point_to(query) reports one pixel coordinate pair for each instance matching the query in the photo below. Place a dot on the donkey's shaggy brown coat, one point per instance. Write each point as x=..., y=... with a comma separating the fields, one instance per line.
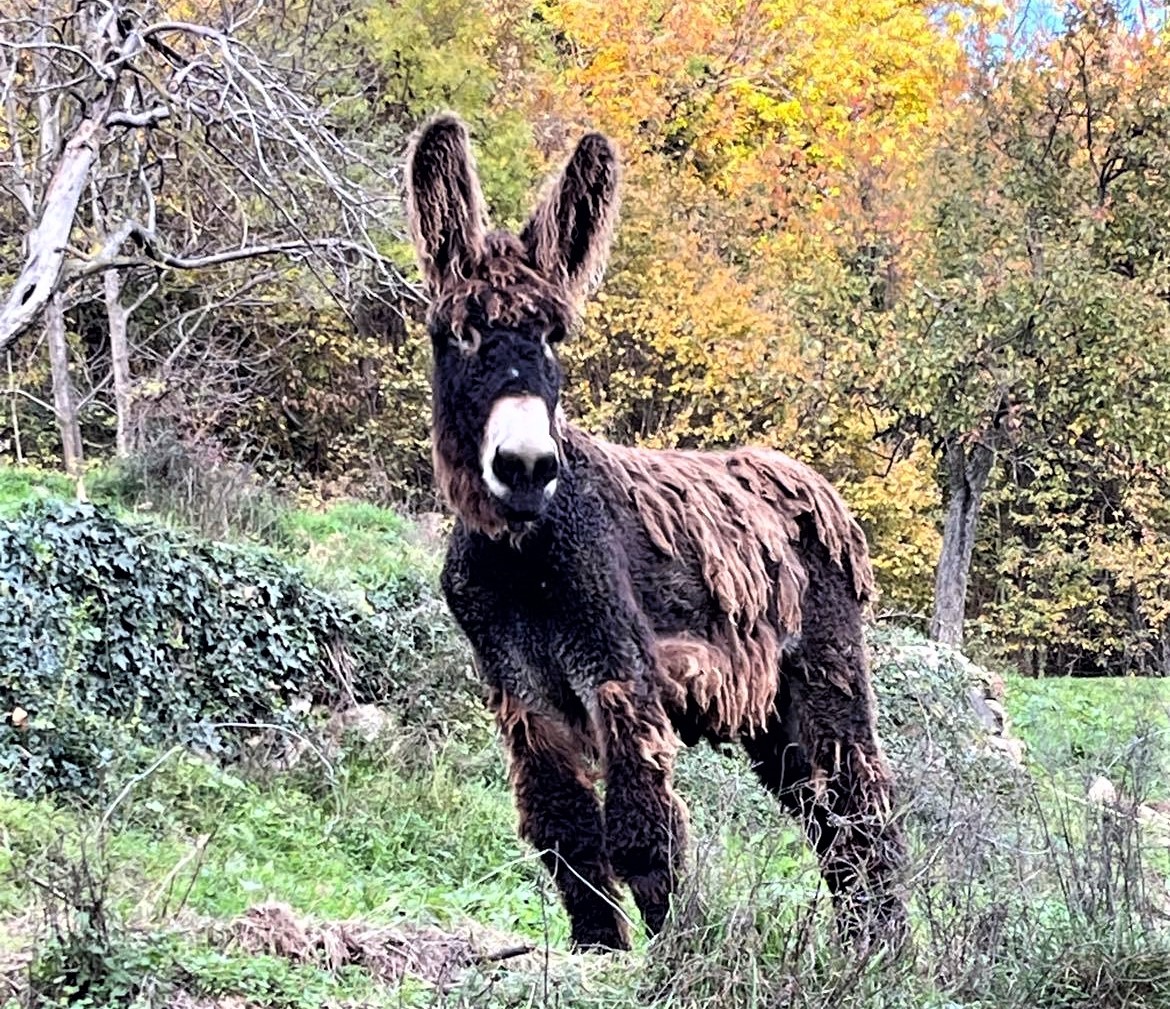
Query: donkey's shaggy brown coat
x=738, y=512
x=650, y=598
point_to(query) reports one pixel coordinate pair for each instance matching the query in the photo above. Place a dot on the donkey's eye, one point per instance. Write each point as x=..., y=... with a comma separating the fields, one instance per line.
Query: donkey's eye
x=513, y=373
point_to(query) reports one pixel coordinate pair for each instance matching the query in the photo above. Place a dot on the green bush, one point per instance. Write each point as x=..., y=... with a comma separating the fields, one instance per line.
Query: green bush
x=195, y=481
x=117, y=637
x=940, y=748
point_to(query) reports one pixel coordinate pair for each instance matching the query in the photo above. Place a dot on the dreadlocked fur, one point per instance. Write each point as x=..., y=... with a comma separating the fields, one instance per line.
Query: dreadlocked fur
x=735, y=516
x=622, y=602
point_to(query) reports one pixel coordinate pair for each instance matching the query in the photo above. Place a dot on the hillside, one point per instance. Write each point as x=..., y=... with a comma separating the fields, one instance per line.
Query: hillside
x=319, y=814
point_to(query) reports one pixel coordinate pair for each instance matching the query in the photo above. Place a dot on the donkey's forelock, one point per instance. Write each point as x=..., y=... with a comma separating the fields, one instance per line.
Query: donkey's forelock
x=503, y=292
x=564, y=245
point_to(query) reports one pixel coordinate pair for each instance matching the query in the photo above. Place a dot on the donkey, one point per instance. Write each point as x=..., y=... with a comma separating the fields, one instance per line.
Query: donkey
x=622, y=602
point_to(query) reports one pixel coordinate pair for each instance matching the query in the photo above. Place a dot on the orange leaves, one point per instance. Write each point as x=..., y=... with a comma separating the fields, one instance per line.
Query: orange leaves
x=770, y=147
x=687, y=354
x=734, y=88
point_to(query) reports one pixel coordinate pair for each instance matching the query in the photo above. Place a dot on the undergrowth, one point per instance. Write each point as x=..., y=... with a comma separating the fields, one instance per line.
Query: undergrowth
x=1022, y=897
x=130, y=893
x=119, y=636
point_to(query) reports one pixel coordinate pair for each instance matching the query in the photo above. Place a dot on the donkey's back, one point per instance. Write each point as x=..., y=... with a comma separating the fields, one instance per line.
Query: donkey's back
x=722, y=548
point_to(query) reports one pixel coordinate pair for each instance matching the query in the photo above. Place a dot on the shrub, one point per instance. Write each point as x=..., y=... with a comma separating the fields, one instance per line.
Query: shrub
x=195, y=481
x=118, y=637
x=940, y=747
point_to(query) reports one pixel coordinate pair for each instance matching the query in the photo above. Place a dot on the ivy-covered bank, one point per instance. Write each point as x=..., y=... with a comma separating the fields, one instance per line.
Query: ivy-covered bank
x=120, y=637
x=117, y=637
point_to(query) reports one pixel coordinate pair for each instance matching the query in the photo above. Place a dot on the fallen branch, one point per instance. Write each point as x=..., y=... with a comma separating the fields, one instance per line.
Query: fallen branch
x=507, y=953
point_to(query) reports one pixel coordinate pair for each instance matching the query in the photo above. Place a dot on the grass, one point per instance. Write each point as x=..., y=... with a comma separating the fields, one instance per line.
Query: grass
x=424, y=836
x=353, y=545
x=1079, y=726
x=379, y=844
x=21, y=484
x=1026, y=896
x=414, y=832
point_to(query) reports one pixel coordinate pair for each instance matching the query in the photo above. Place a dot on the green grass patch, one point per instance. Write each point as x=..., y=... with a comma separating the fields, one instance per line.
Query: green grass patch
x=429, y=839
x=354, y=546
x=19, y=484
x=1079, y=727
x=398, y=834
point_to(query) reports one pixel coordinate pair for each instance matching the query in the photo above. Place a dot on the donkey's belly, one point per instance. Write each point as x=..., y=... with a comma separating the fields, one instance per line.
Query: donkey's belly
x=718, y=677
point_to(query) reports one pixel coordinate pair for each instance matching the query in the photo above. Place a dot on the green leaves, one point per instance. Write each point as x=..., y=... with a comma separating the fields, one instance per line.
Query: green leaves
x=118, y=637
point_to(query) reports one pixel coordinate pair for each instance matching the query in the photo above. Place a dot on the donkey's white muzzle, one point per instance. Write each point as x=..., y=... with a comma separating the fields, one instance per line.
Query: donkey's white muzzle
x=519, y=456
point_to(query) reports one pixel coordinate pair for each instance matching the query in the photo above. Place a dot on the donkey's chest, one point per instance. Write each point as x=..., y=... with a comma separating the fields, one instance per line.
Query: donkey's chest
x=538, y=649
x=534, y=635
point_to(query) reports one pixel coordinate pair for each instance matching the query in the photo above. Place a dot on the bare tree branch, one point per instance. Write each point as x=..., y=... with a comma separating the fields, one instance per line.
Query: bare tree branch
x=202, y=114
x=139, y=120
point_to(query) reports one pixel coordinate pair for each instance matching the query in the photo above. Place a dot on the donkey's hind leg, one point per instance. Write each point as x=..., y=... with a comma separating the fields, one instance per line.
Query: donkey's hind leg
x=821, y=756
x=844, y=819
x=560, y=815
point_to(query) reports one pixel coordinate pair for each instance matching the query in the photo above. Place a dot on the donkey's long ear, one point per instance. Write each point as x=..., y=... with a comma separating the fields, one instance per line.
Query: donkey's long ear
x=569, y=234
x=444, y=203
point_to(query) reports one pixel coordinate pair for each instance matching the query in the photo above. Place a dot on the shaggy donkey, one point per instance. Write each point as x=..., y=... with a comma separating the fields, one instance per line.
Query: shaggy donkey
x=621, y=600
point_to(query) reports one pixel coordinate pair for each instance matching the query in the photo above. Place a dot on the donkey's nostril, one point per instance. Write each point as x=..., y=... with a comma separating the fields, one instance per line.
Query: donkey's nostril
x=544, y=470
x=509, y=469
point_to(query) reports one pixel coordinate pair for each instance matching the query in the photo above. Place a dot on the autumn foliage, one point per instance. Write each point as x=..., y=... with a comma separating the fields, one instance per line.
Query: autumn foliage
x=902, y=241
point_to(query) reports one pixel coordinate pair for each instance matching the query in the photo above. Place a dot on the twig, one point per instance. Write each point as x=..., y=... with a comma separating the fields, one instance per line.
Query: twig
x=141, y=776
x=507, y=953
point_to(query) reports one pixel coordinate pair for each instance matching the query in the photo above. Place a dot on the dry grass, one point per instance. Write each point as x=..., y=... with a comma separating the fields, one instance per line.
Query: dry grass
x=386, y=952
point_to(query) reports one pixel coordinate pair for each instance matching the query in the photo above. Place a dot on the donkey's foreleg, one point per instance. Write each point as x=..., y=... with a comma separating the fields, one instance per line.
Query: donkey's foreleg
x=645, y=823
x=560, y=815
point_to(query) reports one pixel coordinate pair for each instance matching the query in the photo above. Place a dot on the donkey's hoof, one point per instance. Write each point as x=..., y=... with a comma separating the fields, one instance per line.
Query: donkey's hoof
x=599, y=939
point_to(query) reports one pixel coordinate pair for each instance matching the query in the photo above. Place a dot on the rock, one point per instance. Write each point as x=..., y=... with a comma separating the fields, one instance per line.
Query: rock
x=368, y=721
x=1101, y=792
x=936, y=704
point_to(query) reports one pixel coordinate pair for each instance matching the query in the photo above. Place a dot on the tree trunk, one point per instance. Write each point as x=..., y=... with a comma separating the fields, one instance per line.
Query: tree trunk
x=64, y=397
x=15, y=413
x=46, y=244
x=967, y=475
x=118, y=317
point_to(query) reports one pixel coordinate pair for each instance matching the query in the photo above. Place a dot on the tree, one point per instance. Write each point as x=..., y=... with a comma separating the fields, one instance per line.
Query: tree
x=773, y=154
x=1040, y=285
x=142, y=146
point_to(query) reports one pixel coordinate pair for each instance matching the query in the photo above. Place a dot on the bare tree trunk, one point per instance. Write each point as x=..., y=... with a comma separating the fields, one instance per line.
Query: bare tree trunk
x=967, y=476
x=64, y=396
x=15, y=413
x=118, y=318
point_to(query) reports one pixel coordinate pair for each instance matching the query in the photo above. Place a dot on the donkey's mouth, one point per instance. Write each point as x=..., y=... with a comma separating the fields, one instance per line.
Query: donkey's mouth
x=521, y=515
x=525, y=505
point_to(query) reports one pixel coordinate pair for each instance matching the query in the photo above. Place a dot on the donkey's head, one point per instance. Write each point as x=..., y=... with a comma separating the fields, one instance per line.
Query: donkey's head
x=499, y=305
